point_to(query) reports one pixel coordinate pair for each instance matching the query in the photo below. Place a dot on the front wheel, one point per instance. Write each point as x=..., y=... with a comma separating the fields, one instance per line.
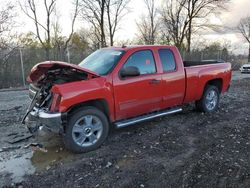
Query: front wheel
x=210, y=99
x=87, y=129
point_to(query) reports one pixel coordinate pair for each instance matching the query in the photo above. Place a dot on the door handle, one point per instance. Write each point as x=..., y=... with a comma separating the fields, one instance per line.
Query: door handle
x=154, y=81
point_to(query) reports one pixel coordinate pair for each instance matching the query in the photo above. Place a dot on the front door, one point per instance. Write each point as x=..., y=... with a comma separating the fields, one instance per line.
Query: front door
x=140, y=94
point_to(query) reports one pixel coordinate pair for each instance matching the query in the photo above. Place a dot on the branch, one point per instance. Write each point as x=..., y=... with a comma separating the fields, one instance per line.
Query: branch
x=76, y=11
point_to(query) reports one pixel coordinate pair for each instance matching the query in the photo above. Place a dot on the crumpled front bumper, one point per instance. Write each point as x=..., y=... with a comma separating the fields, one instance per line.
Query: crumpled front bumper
x=49, y=120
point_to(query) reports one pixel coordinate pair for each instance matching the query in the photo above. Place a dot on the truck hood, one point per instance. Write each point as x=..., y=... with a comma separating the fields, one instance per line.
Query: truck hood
x=42, y=68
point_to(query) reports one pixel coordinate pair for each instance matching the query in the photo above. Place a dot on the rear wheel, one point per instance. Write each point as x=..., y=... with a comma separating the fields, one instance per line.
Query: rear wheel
x=210, y=99
x=87, y=129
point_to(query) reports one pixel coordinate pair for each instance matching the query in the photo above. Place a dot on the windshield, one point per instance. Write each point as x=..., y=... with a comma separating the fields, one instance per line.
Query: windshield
x=102, y=61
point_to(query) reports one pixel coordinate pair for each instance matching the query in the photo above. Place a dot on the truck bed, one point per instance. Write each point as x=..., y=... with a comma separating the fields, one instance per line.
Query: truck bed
x=198, y=75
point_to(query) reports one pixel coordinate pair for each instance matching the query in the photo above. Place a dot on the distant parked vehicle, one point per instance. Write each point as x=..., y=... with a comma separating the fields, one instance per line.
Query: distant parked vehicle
x=245, y=68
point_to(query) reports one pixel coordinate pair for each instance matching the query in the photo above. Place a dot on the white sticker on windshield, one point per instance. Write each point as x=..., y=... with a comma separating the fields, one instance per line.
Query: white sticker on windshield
x=116, y=53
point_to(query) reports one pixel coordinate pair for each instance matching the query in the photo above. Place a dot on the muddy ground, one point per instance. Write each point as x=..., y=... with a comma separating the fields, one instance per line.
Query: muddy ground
x=189, y=149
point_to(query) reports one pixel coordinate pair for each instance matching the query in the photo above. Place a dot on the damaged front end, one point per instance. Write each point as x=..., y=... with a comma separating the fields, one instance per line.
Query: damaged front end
x=44, y=106
x=40, y=112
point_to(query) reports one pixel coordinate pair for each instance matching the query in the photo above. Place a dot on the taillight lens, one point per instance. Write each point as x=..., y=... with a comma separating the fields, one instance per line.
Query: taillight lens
x=55, y=103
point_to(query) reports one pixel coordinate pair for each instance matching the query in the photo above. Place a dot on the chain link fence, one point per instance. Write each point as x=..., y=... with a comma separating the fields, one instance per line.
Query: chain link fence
x=236, y=60
x=15, y=65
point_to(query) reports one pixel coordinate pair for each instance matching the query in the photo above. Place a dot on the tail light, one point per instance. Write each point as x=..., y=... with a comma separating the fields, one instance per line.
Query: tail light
x=55, y=103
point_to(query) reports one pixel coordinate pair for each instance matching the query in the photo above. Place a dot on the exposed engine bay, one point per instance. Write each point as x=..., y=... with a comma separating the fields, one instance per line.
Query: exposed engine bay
x=50, y=78
x=40, y=90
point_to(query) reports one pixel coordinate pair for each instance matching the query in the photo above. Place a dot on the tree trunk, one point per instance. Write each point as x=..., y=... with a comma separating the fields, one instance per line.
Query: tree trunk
x=249, y=53
x=189, y=35
x=178, y=45
x=103, y=40
x=152, y=40
x=111, y=40
x=48, y=38
x=111, y=36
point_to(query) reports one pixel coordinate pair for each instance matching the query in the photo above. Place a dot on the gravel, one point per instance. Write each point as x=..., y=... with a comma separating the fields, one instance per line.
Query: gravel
x=189, y=149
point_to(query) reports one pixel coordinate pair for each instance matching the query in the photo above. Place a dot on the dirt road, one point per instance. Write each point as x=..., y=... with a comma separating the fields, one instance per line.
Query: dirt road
x=190, y=149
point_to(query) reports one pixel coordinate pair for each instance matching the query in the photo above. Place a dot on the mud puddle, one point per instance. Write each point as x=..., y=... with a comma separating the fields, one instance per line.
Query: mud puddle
x=54, y=155
x=16, y=164
x=13, y=170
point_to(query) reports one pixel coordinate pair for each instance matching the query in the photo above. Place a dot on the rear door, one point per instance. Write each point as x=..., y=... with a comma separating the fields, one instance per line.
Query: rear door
x=141, y=94
x=173, y=78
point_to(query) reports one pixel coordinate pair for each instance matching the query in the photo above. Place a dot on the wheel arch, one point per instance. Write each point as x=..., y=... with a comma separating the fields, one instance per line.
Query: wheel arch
x=218, y=82
x=100, y=104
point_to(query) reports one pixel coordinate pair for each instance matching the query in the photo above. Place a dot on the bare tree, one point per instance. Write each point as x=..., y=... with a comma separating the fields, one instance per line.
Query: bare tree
x=104, y=17
x=175, y=22
x=244, y=29
x=93, y=11
x=149, y=24
x=116, y=10
x=182, y=18
x=7, y=23
x=57, y=40
x=75, y=14
x=62, y=42
x=30, y=8
x=7, y=42
x=6, y=19
x=199, y=10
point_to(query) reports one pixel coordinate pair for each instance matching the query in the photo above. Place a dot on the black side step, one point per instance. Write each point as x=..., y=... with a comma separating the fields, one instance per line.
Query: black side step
x=127, y=122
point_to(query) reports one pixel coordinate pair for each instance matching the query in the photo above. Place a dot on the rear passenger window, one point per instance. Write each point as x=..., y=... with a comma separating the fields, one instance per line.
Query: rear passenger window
x=143, y=60
x=167, y=60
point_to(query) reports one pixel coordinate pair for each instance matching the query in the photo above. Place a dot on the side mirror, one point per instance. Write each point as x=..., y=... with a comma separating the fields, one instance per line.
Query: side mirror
x=130, y=71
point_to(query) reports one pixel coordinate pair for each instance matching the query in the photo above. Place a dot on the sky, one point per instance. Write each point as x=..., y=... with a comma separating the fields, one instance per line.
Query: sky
x=236, y=10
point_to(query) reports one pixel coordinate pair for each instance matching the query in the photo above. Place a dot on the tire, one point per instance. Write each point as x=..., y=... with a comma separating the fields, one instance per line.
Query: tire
x=208, y=103
x=87, y=129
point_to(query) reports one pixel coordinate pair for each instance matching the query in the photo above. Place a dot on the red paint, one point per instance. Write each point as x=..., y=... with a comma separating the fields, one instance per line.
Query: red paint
x=135, y=96
x=38, y=70
x=55, y=103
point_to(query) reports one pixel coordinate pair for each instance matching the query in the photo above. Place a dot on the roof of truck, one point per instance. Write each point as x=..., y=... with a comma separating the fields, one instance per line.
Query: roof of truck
x=129, y=47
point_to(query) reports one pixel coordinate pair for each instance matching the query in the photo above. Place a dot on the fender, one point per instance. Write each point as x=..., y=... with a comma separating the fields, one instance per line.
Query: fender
x=74, y=93
x=209, y=74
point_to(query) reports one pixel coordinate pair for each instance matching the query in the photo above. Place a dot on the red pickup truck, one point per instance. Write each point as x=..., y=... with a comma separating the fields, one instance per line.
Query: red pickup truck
x=120, y=86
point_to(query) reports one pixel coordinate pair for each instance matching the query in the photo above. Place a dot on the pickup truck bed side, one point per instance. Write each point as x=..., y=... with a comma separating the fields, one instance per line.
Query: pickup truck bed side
x=198, y=76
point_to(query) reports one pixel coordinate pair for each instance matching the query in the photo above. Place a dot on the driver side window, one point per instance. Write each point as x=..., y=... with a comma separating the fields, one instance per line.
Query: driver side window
x=143, y=60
